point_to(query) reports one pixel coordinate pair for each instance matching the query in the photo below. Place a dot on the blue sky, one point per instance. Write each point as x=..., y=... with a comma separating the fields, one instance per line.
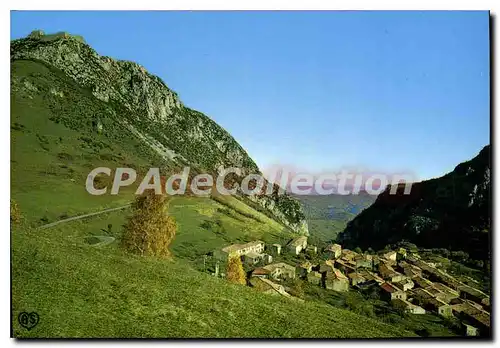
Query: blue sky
x=387, y=91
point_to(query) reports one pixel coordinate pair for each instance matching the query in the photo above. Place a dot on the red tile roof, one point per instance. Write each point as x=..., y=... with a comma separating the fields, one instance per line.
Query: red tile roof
x=389, y=287
x=260, y=271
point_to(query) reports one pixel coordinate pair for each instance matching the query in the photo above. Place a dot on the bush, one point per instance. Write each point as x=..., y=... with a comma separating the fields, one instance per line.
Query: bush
x=214, y=226
x=149, y=231
x=460, y=256
x=423, y=332
x=64, y=156
x=297, y=289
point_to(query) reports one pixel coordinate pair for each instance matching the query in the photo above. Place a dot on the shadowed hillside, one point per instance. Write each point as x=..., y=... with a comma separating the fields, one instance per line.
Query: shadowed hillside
x=451, y=212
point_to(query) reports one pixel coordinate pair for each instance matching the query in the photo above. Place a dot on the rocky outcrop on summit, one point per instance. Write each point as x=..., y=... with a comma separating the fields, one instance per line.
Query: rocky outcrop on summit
x=109, y=79
x=145, y=105
x=148, y=101
x=451, y=212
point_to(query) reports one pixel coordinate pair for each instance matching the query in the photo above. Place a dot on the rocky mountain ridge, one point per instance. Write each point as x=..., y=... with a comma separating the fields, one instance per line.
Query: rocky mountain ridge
x=152, y=112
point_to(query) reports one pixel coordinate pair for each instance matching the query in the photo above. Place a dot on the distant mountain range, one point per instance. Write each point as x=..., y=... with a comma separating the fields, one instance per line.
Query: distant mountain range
x=452, y=212
x=327, y=215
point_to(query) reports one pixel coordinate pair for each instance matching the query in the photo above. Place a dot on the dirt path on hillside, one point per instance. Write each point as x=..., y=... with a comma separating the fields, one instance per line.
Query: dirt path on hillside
x=52, y=224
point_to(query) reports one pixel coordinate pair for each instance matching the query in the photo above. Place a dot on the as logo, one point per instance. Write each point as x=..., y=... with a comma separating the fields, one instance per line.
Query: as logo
x=28, y=320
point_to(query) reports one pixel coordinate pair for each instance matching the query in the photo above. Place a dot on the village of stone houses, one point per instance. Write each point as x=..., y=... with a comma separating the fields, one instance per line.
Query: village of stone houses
x=401, y=278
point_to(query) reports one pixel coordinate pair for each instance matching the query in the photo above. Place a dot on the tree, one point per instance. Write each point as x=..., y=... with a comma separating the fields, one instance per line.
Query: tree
x=460, y=256
x=297, y=289
x=235, y=272
x=150, y=230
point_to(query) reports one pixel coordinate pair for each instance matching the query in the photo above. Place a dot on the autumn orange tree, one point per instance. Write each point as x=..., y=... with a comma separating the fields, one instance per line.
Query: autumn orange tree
x=149, y=231
x=235, y=272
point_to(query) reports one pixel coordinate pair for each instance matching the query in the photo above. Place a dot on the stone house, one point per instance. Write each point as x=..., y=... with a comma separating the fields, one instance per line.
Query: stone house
x=438, y=306
x=344, y=266
x=335, y=280
x=368, y=275
x=324, y=267
x=261, y=273
x=312, y=249
x=389, y=274
x=476, y=316
x=470, y=330
x=385, y=270
x=427, y=300
x=412, y=271
x=356, y=278
x=391, y=292
x=420, y=294
x=348, y=255
x=401, y=254
x=449, y=281
x=485, y=302
x=457, y=301
x=268, y=287
x=367, y=285
x=405, y=284
x=474, y=304
x=470, y=293
x=304, y=268
x=252, y=258
x=280, y=270
x=408, y=306
x=243, y=249
x=351, y=263
x=363, y=261
x=314, y=278
x=391, y=255
x=297, y=245
x=409, y=270
x=276, y=249
x=443, y=292
x=268, y=258
x=437, y=275
x=421, y=282
x=335, y=250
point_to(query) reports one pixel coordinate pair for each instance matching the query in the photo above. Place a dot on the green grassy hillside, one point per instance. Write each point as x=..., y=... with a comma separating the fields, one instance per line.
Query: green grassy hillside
x=90, y=93
x=55, y=146
x=206, y=225
x=80, y=290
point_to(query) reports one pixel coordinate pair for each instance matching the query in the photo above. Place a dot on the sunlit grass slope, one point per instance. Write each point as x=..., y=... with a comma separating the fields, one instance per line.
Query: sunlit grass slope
x=80, y=290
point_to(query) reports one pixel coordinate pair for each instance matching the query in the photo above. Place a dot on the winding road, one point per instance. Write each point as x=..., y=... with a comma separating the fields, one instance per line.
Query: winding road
x=52, y=224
